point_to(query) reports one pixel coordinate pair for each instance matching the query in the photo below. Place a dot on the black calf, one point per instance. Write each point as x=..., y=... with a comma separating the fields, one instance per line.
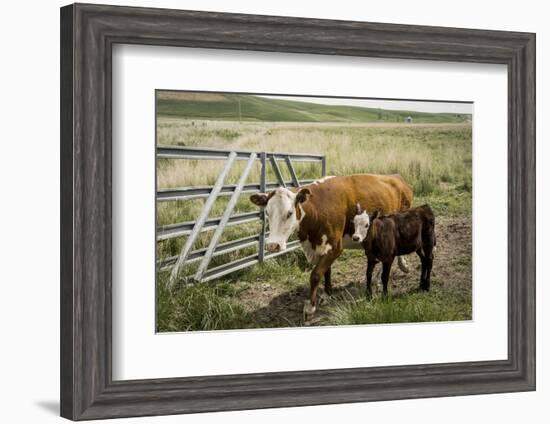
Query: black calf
x=388, y=236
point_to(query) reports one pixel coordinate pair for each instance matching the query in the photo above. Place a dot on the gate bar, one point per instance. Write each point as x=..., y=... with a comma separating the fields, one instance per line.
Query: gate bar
x=263, y=173
x=221, y=249
x=198, y=192
x=277, y=171
x=247, y=261
x=202, y=218
x=225, y=217
x=185, y=228
x=192, y=153
x=295, y=181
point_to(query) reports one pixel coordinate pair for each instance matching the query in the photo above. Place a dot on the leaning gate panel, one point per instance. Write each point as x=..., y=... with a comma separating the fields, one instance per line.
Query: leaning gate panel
x=188, y=254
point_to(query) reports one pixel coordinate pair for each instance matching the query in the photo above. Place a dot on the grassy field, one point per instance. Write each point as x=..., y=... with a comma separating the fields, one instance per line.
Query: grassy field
x=434, y=157
x=240, y=107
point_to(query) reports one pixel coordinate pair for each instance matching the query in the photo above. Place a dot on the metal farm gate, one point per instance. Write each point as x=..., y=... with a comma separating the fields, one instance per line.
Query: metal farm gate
x=192, y=229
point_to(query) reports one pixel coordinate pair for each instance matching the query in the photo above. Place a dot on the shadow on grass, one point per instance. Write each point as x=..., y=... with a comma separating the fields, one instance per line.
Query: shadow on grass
x=286, y=309
x=350, y=306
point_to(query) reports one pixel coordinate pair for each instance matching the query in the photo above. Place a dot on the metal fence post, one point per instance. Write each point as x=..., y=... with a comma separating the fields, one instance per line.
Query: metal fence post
x=261, y=240
x=225, y=217
x=324, y=166
x=201, y=219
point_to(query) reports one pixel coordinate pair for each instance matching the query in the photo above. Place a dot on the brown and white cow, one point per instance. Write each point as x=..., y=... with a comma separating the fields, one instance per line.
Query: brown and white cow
x=322, y=213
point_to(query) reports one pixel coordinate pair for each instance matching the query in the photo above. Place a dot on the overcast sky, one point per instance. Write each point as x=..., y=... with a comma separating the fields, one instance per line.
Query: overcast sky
x=418, y=106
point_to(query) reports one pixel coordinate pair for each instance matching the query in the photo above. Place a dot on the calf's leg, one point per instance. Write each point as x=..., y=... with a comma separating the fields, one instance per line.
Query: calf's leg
x=386, y=268
x=371, y=263
x=426, y=283
x=428, y=246
x=420, y=253
x=427, y=270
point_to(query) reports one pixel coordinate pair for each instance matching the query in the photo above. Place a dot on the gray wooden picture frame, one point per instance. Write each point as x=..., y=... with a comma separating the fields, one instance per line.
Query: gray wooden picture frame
x=88, y=33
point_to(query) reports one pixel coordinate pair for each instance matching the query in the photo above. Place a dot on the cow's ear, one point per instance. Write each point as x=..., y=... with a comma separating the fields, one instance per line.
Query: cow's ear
x=375, y=215
x=259, y=199
x=358, y=210
x=303, y=195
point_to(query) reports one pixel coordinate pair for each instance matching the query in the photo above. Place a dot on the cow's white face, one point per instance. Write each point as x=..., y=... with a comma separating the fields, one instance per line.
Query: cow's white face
x=281, y=215
x=284, y=212
x=361, y=223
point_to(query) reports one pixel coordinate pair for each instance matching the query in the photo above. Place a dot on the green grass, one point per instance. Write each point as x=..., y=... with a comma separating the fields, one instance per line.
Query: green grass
x=215, y=305
x=286, y=271
x=432, y=306
x=453, y=202
x=229, y=107
x=201, y=307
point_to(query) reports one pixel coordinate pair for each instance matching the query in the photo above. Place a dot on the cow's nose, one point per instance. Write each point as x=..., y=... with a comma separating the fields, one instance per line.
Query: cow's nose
x=273, y=247
x=355, y=238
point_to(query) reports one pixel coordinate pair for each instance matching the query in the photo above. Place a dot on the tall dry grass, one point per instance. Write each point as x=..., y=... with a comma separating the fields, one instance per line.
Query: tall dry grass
x=427, y=156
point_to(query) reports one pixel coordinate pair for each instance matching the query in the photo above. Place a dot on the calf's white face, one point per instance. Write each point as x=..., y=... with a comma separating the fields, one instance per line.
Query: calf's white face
x=284, y=212
x=361, y=223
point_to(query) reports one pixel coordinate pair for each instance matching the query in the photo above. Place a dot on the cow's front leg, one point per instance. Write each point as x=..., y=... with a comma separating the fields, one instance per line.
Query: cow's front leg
x=327, y=294
x=323, y=265
x=328, y=283
x=310, y=305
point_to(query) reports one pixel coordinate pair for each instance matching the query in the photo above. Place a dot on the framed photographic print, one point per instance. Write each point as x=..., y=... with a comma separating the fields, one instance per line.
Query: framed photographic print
x=200, y=139
x=264, y=212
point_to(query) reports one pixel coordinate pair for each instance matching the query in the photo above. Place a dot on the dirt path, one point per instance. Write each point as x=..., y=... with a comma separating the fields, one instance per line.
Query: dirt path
x=274, y=306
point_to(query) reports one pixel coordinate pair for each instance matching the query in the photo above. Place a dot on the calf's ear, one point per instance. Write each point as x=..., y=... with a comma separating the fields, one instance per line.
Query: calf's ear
x=303, y=195
x=358, y=210
x=377, y=225
x=374, y=215
x=259, y=199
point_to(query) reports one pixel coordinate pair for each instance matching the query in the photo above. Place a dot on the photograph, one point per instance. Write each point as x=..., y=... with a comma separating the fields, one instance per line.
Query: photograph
x=280, y=211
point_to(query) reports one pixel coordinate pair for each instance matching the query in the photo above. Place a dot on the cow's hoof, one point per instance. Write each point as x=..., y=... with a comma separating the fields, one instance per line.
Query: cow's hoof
x=309, y=311
x=308, y=319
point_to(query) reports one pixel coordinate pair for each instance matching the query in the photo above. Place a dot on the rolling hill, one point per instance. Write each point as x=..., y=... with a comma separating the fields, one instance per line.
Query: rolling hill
x=243, y=107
